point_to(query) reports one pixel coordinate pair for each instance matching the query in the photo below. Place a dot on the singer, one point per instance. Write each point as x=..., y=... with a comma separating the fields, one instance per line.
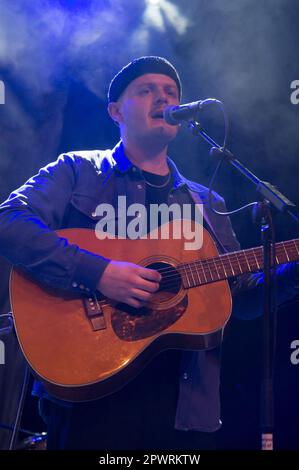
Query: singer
x=173, y=403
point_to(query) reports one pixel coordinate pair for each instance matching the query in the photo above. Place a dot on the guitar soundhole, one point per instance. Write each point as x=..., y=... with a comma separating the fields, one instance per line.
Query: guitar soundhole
x=171, y=279
x=131, y=324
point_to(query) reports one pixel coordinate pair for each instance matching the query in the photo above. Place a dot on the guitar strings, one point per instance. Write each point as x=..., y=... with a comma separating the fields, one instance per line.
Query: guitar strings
x=220, y=262
x=253, y=256
x=201, y=265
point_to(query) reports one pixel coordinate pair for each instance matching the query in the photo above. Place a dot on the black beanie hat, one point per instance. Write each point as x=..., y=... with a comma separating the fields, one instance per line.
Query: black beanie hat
x=138, y=67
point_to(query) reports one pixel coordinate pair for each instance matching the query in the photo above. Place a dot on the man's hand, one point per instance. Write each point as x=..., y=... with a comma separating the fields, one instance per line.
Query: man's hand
x=129, y=283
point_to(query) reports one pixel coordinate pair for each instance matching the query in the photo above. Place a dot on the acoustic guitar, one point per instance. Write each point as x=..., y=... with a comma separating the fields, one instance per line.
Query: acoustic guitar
x=83, y=347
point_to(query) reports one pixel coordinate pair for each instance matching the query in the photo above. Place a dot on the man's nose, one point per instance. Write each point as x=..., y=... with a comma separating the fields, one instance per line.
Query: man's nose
x=161, y=96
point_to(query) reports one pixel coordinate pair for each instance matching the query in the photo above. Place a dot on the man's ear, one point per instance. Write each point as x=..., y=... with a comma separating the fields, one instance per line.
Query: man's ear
x=114, y=112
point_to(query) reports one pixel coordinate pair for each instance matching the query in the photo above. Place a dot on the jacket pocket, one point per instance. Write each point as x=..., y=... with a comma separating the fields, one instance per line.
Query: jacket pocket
x=81, y=212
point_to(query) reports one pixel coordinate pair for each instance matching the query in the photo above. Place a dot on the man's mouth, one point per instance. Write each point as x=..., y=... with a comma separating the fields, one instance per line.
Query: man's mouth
x=157, y=115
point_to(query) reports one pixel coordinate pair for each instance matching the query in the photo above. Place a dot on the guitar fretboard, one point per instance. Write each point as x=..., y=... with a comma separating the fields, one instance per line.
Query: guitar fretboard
x=232, y=264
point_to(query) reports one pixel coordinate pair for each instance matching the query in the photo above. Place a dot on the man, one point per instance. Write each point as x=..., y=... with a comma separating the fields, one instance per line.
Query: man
x=174, y=402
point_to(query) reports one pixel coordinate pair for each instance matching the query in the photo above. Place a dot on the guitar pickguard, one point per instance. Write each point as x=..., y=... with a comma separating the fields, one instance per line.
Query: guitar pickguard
x=144, y=322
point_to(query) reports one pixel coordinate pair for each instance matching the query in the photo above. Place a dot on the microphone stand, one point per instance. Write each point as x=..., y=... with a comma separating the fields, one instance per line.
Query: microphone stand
x=271, y=197
x=17, y=424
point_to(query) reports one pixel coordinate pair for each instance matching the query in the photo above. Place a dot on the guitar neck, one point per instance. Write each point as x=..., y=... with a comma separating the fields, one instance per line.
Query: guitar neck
x=205, y=271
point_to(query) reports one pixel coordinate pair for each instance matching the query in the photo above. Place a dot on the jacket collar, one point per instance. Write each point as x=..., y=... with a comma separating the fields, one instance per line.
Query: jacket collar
x=122, y=164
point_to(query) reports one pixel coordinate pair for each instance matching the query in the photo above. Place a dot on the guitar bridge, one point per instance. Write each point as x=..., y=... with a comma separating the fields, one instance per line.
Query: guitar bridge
x=94, y=312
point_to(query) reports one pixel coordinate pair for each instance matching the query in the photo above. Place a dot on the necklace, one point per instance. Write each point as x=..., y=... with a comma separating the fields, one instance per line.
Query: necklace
x=159, y=185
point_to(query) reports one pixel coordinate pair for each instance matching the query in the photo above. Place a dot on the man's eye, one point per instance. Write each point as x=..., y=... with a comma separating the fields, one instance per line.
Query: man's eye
x=144, y=91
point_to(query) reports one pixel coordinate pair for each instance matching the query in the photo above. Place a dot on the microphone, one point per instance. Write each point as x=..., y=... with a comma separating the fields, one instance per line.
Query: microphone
x=173, y=115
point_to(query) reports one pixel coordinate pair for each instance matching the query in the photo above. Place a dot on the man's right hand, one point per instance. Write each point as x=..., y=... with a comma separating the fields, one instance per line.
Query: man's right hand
x=129, y=283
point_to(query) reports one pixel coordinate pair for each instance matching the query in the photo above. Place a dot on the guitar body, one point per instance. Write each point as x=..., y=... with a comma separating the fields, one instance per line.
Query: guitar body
x=79, y=357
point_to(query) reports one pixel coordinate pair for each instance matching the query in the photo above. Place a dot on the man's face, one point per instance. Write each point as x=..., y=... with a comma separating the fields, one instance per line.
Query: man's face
x=140, y=108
